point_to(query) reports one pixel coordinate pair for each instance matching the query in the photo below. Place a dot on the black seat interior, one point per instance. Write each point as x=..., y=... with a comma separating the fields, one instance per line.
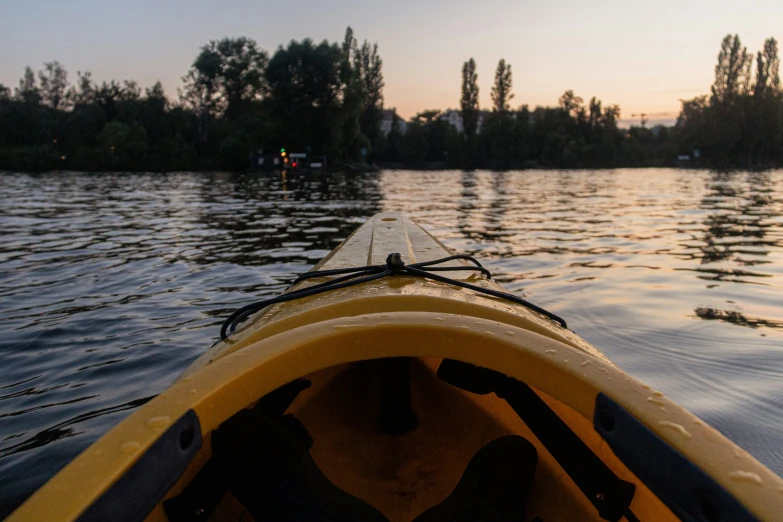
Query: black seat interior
x=267, y=465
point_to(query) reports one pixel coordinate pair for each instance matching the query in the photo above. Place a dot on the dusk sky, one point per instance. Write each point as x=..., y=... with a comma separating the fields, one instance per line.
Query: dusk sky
x=644, y=56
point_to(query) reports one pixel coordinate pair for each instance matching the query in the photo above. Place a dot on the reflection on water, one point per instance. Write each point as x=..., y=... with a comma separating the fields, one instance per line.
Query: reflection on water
x=110, y=285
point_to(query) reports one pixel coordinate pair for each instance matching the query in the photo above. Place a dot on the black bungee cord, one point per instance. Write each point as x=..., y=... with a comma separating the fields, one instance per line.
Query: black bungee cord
x=394, y=266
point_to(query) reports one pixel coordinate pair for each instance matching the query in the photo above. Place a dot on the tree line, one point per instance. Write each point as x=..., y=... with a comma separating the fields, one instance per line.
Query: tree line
x=573, y=134
x=740, y=123
x=327, y=99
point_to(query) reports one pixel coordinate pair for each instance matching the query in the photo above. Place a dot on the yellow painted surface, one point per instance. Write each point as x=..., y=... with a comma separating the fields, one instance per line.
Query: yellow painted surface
x=329, y=338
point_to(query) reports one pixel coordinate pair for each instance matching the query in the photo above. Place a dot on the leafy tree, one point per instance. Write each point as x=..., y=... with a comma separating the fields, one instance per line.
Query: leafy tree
x=123, y=145
x=28, y=92
x=732, y=72
x=571, y=104
x=501, y=90
x=352, y=94
x=395, y=139
x=53, y=81
x=413, y=145
x=469, y=101
x=84, y=90
x=765, y=121
x=370, y=65
x=304, y=86
x=767, y=70
x=5, y=93
x=425, y=117
x=230, y=72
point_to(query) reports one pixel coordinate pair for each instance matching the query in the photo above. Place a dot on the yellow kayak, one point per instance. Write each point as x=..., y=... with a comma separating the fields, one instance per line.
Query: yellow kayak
x=423, y=393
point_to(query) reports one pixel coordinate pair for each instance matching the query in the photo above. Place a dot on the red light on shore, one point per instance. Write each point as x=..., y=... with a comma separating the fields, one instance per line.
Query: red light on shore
x=294, y=164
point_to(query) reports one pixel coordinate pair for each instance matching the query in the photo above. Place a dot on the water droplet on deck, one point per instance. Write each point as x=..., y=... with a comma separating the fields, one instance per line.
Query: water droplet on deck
x=510, y=333
x=565, y=361
x=465, y=327
x=192, y=391
x=439, y=319
x=746, y=476
x=584, y=363
x=602, y=369
x=158, y=422
x=656, y=400
x=129, y=447
x=676, y=427
x=658, y=394
x=488, y=332
x=551, y=352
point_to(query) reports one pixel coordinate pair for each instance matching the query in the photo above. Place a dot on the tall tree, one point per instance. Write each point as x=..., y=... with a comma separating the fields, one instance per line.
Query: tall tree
x=5, y=92
x=352, y=96
x=571, y=104
x=469, y=101
x=28, y=92
x=371, y=76
x=53, y=81
x=767, y=69
x=610, y=117
x=84, y=90
x=501, y=90
x=131, y=91
x=732, y=72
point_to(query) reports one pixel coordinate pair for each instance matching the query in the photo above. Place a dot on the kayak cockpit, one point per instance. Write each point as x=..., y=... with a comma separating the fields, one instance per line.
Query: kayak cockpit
x=403, y=439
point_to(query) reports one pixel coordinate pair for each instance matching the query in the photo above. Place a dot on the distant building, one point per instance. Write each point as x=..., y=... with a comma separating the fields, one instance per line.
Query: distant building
x=388, y=120
x=454, y=118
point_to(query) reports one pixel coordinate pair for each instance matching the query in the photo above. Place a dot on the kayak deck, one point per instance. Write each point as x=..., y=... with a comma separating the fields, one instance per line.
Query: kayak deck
x=342, y=340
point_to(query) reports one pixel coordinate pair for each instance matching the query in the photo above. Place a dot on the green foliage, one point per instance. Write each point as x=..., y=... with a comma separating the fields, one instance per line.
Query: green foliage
x=732, y=72
x=469, y=101
x=369, y=68
x=327, y=99
x=304, y=85
x=122, y=145
x=54, y=86
x=501, y=91
x=413, y=146
x=742, y=122
x=28, y=92
x=234, y=101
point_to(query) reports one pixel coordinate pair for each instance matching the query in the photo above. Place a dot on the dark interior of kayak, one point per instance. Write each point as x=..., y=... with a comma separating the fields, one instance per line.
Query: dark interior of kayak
x=392, y=440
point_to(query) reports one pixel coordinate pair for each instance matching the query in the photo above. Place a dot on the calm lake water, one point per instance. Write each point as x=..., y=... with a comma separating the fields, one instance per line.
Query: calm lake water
x=111, y=284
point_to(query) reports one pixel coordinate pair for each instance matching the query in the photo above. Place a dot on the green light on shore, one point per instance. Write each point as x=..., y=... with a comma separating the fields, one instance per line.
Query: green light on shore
x=282, y=150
